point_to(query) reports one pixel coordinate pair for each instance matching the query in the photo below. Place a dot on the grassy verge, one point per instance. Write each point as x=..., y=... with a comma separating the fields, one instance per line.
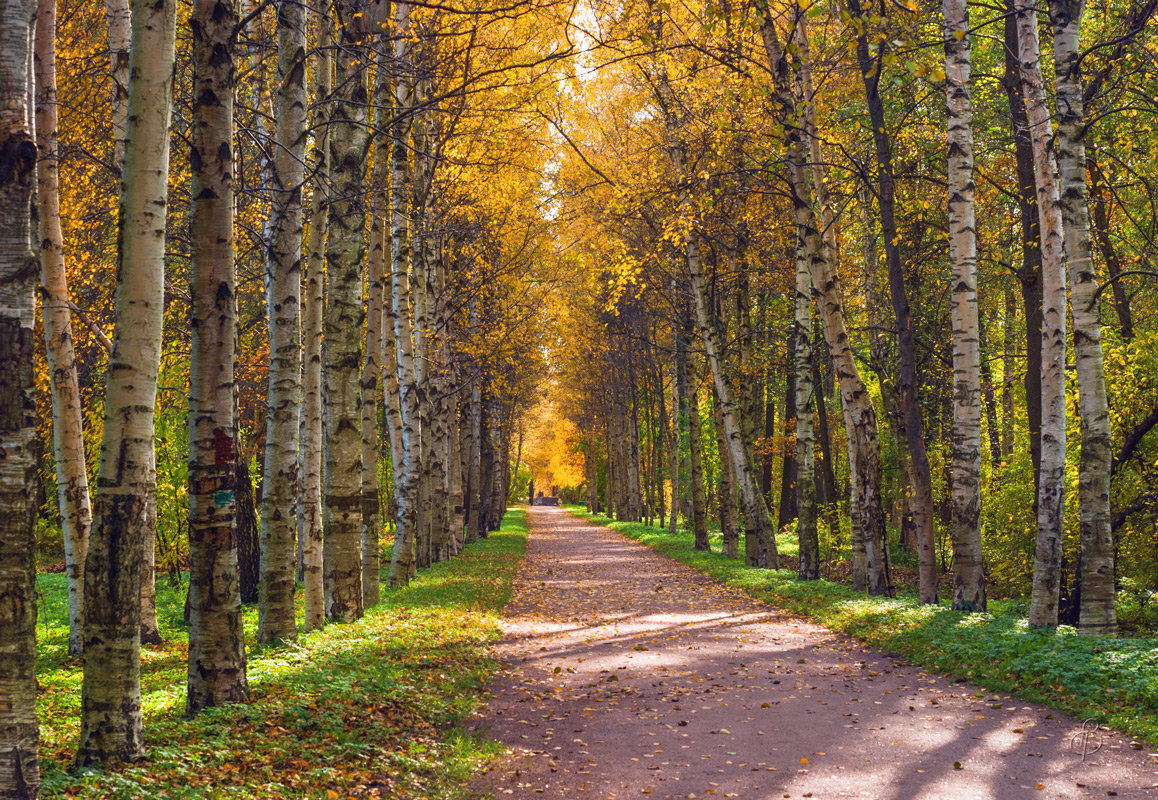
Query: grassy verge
x=360, y=710
x=1114, y=681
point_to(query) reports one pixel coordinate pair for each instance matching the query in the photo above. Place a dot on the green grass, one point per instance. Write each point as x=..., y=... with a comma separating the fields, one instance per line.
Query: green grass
x=1113, y=681
x=346, y=711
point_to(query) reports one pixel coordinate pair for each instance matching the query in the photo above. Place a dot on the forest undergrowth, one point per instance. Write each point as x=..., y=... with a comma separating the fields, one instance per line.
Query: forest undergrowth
x=1112, y=681
x=367, y=709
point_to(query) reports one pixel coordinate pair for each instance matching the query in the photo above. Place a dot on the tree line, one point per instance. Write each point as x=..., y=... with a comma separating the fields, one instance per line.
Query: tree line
x=899, y=254
x=316, y=266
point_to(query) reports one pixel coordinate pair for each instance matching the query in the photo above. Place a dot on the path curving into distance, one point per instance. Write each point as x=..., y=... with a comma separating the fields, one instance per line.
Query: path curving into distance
x=629, y=675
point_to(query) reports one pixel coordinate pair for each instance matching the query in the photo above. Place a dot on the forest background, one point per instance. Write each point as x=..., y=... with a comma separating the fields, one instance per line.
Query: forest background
x=867, y=288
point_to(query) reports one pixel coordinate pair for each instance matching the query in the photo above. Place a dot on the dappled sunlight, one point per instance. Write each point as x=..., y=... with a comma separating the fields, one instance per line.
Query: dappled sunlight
x=627, y=675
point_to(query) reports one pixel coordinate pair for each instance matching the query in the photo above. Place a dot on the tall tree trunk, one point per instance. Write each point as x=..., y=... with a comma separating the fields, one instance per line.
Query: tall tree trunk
x=407, y=478
x=696, y=467
x=757, y=517
x=788, y=464
x=729, y=505
x=371, y=372
x=1029, y=275
x=968, y=565
x=868, y=520
x=283, y=276
x=111, y=691
x=310, y=502
x=67, y=426
x=345, y=251
x=1101, y=208
x=1043, y=606
x=870, y=69
x=19, y=731
x=1097, y=616
x=381, y=237
x=216, y=640
x=119, y=24
x=150, y=629
x=634, y=495
x=1009, y=347
x=809, y=543
x=246, y=526
x=989, y=395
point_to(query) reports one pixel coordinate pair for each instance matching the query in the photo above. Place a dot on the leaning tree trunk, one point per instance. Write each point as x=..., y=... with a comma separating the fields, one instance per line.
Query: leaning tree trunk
x=1043, y=606
x=1097, y=616
x=968, y=567
x=67, y=425
x=345, y=250
x=283, y=275
x=310, y=456
x=19, y=732
x=216, y=640
x=757, y=517
x=111, y=691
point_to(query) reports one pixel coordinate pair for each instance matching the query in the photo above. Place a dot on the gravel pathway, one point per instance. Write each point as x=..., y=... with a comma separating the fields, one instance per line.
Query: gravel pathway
x=629, y=675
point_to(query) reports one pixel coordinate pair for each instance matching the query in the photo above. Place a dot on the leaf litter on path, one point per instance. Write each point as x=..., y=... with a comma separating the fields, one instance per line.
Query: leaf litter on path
x=717, y=695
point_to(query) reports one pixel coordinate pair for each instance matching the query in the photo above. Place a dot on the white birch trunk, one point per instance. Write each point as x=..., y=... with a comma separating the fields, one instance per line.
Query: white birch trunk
x=67, y=426
x=1097, y=614
x=283, y=282
x=371, y=373
x=407, y=479
x=1043, y=607
x=860, y=419
x=310, y=504
x=755, y=508
x=19, y=732
x=806, y=534
x=968, y=566
x=345, y=251
x=110, y=695
x=119, y=22
x=216, y=640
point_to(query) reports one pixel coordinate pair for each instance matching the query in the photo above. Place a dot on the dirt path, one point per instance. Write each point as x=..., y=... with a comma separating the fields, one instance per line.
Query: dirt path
x=630, y=675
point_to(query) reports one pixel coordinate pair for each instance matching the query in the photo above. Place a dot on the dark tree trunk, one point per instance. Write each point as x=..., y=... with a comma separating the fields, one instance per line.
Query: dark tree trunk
x=870, y=69
x=1101, y=208
x=246, y=530
x=1029, y=274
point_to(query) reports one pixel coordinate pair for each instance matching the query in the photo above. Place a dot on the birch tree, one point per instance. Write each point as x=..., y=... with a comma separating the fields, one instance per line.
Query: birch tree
x=216, y=640
x=968, y=567
x=345, y=248
x=19, y=731
x=806, y=534
x=870, y=70
x=870, y=572
x=1043, y=607
x=407, y=478
x=67, y=426
x=310, y=502
x=1097, y=614
x=283, y=274
x=119, y=23
x=110, y=694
